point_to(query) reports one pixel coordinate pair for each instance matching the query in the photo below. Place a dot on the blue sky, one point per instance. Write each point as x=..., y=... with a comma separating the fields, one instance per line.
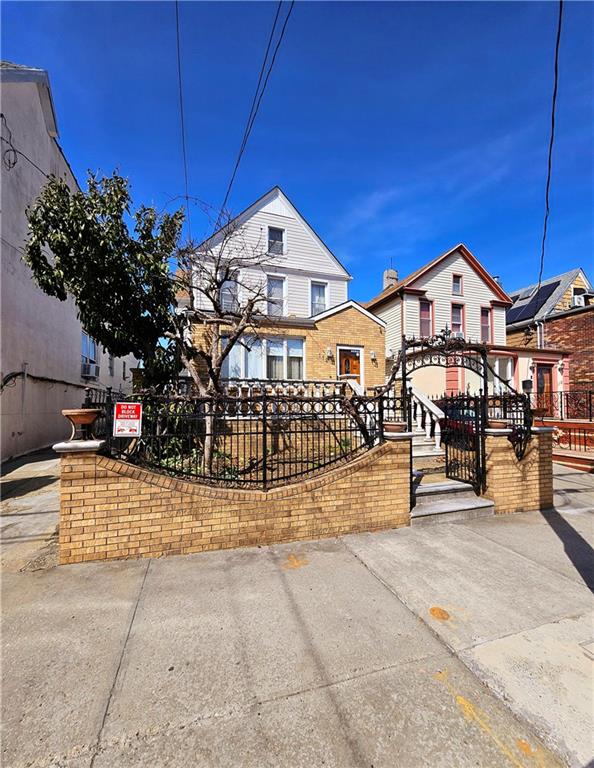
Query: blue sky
x=398, y=129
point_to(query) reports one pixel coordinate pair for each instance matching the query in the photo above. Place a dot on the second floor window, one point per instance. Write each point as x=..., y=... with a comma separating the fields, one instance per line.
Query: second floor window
x=425, y=318
x=89, y=349
x=485, y=325
x=229, y=294
x=276, y=296
x=110, y=365
x=318, y=298
x=457, y=285
x=457, y=318
x=276, y=240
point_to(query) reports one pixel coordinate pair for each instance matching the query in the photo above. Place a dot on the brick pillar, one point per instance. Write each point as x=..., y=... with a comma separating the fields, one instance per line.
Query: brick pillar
x=78, y=470
x=519, y=486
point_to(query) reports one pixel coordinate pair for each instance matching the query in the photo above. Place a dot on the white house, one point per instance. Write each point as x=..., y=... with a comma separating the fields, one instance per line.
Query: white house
x=46, y=358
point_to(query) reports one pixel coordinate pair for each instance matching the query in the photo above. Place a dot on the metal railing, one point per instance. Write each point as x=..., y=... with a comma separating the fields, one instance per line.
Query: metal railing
x=574, y=438
x=260, y=441
x=574, y=404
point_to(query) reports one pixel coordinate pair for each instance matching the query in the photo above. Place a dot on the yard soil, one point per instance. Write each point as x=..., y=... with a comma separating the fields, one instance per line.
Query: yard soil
x=466, y=644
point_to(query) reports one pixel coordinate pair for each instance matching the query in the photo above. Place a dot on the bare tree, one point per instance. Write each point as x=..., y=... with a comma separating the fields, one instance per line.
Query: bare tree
x=222, y=301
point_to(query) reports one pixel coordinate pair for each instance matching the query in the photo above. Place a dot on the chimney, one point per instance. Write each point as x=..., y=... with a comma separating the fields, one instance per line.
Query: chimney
x=498, y=280
x=390, y=278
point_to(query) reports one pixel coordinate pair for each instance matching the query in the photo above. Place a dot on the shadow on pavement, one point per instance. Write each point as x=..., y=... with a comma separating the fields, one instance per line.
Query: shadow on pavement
x=11, y=489
x=577, y=549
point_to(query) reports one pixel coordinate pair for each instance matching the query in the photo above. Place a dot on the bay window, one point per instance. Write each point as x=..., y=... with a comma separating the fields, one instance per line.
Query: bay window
x=485, y=325
x=275, y=293
x=318, y=298
x=425, y=319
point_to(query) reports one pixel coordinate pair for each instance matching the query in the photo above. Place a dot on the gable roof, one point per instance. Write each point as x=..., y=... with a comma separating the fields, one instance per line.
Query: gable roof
x=530, y=305
x=19, y=73
x=350, y=304
x=407, y=282
x=267, y=197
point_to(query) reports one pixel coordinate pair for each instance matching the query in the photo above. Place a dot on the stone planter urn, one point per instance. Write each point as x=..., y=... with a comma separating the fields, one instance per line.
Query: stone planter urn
x=498, y=424
x=81, y=419
x=392, y=427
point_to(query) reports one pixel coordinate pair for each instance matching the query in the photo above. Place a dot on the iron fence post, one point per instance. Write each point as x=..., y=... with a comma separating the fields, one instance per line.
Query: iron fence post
x=380, y=417
x=264, y=439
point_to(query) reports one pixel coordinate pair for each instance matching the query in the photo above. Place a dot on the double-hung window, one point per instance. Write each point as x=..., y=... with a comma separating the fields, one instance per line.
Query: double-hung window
x=275, y=355
x=425, y=319
x=276, y=296
x=229, y=293
x=318, y=298
x=295, y=359
x=457, y=319
x=274, y=358
x=276, y=240
x=485, y=325
x=457, y=285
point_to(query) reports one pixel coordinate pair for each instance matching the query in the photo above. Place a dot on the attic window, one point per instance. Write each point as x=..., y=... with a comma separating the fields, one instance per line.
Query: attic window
x=457, y=285
x=276, y=240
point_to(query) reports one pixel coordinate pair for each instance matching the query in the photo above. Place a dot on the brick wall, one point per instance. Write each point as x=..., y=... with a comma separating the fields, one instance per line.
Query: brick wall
x=519, y=486
x=110, y=509
x=347, y=328
x=575, y=332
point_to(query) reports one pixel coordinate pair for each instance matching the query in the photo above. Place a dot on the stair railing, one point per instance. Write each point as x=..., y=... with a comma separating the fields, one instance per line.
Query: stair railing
x=427, y=416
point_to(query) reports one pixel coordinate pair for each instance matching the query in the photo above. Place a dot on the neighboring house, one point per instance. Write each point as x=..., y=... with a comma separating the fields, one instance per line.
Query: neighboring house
x=46, y=358
x=559, y=314
x=454, y=292
x=309, y=330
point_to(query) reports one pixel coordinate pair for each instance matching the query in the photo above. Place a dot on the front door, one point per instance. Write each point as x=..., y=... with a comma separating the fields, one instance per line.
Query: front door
x=544, y=388
x=349, y=364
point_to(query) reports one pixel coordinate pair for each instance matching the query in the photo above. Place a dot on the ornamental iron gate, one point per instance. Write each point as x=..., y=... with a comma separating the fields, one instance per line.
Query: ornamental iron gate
x=463, y=437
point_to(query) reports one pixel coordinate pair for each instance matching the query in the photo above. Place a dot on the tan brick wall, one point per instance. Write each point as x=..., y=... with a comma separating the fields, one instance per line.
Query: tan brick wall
x=519, y=486
x=347, y=328
x=110, y=509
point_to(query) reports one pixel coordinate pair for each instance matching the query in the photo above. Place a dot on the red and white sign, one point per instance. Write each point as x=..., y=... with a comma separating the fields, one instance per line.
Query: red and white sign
x=127, y=421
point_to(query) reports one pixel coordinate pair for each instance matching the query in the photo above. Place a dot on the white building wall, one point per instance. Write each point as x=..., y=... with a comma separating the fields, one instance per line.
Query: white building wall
x=39, y=336
x=391, y=314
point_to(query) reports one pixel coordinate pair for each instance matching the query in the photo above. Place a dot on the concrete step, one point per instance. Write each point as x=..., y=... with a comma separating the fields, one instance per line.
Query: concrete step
x=427, y=492
x=450, y=509
x=422, y=451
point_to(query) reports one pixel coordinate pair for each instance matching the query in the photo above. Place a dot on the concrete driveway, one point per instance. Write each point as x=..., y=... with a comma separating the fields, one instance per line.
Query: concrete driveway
x=467, y=644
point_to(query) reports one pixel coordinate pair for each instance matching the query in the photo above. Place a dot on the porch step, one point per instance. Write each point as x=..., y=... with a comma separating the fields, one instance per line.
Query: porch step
x=446, y=489
x=450, y=508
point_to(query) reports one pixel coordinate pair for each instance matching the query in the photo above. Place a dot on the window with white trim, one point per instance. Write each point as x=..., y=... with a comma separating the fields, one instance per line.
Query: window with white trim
x=274, y=358
x=295, y=359
x=89, y=349
x=457, y=285
x=318, y=297
x=276, y=240
x=485, y=325
x=457, y=318
x=229, y=294
x=275, y=293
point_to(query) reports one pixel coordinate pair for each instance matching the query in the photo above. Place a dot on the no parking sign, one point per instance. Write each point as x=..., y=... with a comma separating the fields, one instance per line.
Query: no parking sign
x=127, y=421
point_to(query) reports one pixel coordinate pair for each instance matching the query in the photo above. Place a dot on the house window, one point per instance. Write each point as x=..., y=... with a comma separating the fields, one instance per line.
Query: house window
x=457, y=285
x=276, y=240
x=458, y=319
x=318, y=298
x=276, y=296
x=110, y=365
x=425, y=319
x=89, y=349
x=124, y=370
x=485, y=325
x=275, y=353
x=229, y=294
x=295, y=359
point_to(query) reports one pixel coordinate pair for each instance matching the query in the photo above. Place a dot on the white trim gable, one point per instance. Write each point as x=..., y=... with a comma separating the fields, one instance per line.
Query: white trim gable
x=349, y=305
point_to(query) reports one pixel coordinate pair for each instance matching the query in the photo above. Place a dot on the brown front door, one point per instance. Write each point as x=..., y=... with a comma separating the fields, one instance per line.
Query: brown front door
x=349, y=363
x=544, y=388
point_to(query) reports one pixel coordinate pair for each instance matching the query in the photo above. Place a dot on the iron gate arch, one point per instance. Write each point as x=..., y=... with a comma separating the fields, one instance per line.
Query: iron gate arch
x=466, y=416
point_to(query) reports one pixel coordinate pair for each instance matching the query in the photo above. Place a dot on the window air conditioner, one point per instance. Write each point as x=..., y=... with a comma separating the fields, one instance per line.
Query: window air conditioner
x=578, y=301
x=89, y=371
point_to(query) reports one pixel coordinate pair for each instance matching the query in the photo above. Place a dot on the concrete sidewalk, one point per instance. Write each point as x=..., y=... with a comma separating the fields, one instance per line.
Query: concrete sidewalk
x=456, y=645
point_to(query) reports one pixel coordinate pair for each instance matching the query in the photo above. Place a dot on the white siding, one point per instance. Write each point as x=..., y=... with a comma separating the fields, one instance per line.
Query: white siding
x=304, y=259
x=390, y=313
x=476, y=294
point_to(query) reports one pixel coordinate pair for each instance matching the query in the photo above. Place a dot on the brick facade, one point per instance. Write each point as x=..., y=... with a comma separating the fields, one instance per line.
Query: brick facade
x=110, y=509
x=346, y=328
x=520, y=486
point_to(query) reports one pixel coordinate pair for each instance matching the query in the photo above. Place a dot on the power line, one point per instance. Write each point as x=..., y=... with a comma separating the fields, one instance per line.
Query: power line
x=551, y=142
x=182, y=120
x=258, y=95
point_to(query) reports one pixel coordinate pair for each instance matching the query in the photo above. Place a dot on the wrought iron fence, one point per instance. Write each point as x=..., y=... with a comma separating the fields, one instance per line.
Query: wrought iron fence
x=574, y=438
x=258, y=441
x=578, y=404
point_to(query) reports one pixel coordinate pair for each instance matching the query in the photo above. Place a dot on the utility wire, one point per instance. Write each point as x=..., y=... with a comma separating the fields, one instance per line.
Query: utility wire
x=182, y=120
x=258, y=95
x=551, y=142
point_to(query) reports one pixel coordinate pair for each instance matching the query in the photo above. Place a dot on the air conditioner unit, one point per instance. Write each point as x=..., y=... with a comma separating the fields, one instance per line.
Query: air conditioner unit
x=578, y=301
x=458, y=335
x=89, y=371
